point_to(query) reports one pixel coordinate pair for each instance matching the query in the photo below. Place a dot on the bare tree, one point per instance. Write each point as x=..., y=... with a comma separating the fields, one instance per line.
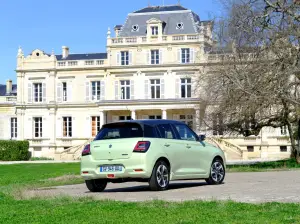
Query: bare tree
x=254, y=75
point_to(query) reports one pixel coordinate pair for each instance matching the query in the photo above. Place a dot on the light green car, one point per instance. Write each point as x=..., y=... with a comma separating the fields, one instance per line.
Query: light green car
x=153, y=151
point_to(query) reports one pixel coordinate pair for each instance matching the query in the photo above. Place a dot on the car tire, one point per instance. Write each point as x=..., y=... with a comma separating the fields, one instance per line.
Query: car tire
x=160, y=177
x=217, y=172
x=97, y=185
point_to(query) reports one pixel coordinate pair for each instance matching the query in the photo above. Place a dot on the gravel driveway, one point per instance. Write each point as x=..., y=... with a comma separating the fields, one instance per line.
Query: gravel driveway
x=283, y=186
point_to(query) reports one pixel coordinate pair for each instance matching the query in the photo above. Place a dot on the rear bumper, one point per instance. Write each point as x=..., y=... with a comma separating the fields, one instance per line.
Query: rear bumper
x=134, y=168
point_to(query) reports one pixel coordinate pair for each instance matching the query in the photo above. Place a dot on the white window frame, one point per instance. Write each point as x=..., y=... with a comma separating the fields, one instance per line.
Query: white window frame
x=283, y=130
x=124, y=85
x=154, y=30
x=186, y=118
x=39, y=86
x=155, y=117
x=13, y=128
x=155, y=85
x=155, y=56
x=37, y=127
x=185, y=84
x=69, y=122
x=185, y=55
x=98, y=125
x=97, y=94
x=127, y=118
x=64, y=88
x=124, y=56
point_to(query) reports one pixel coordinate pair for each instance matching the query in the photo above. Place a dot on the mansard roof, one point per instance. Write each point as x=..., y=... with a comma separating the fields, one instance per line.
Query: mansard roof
x=87, y=56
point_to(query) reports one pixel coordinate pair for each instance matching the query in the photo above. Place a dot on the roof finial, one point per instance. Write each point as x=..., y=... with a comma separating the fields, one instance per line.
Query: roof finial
x=20, y=52
x=108, y=32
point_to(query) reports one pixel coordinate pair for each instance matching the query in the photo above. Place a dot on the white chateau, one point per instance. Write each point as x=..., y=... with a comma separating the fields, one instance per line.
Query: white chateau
x=149, y=70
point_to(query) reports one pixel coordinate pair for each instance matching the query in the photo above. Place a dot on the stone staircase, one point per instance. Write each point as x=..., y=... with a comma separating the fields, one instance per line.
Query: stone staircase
x=72, y=153
x=232, y=151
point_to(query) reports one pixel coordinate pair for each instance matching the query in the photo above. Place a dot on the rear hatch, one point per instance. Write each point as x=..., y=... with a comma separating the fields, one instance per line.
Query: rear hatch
x=116, y=141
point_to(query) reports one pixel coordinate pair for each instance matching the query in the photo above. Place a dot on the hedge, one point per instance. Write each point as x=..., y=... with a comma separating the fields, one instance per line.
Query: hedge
x=14, y=150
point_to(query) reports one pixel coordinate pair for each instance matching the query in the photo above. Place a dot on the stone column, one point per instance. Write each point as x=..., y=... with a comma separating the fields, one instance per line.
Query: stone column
x=51, y=88
x=133, y=115
x=164, y=114
x=20, y=84
x=20, y=124
x=52, y=126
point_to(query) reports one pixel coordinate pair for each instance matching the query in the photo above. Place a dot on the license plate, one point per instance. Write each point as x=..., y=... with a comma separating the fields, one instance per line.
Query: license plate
x=110, y=168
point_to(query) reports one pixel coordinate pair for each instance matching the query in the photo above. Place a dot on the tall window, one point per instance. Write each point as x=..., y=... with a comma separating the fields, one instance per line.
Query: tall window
x=187, y=119
x=155, y=88
x=38, y=127
x=283, y=130
x=186, y=88
x=185, y=55
x=154, y=30
x=64, y=91
x=124, y=58
x=125, y=89
x=38, y=92
x=96, y=85
x=154, y=57
x=95, y=125
x=67, y=126
x=13, y=127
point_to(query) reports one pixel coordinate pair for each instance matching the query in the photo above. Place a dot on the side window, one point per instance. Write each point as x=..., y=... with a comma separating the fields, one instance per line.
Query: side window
x=185, y=133
x=166, y=131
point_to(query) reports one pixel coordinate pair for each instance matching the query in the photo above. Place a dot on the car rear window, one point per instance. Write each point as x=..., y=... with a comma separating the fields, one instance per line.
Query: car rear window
x=120, y=130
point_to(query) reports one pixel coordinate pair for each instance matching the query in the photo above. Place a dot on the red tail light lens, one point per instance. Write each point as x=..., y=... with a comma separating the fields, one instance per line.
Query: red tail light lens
x=86, y=151
x=141, y=146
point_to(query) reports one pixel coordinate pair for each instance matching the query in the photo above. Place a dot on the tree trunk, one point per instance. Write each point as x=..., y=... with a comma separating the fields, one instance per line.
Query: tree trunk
x=295, y=152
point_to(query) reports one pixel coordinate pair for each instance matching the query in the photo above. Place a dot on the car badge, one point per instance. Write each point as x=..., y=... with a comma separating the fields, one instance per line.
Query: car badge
x=110, y=146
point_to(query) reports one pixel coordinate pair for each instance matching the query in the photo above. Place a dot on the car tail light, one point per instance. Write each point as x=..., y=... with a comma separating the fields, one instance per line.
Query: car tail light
x=141, y=146
x=86, y=151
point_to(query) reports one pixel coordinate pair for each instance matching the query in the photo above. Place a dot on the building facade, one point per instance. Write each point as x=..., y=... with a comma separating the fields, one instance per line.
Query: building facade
x=149, y=71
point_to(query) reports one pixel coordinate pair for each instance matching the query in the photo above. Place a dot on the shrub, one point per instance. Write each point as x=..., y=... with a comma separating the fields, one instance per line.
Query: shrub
x=14, y=150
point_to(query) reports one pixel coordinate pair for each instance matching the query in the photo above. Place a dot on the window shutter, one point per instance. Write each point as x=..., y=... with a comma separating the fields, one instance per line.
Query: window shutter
x=192, y=55
x=88, y=127
x=146, y=89
x=44, y=92
x=177, y=88
x=102, y=90
x=160, y=56
x=59, y=92
x=162, y=88
x=176, y=117
x=45, y=131
x=30, y=92
x=87, y=91
x=194, y=85
x=132, y=89
x=149, y=57
x=59, y=127
x=115, y=118
x=130, y=57
x=118, y=58
x=116, y=90
x=179, y=55
x=69, y=91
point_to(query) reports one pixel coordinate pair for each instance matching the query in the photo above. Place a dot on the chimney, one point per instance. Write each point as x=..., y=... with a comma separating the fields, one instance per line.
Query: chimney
x=8, y=86
x=117, y=30
x=65, y=51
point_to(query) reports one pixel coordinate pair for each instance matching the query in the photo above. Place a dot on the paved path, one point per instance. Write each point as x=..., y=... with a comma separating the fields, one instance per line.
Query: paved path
x=283, y=186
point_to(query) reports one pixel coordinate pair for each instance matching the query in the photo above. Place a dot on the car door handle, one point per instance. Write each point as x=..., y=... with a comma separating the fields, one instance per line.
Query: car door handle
x=167, y=145
x=189, y=146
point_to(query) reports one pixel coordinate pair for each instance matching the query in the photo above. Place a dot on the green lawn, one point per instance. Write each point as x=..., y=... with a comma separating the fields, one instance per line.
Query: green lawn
x=85, y=210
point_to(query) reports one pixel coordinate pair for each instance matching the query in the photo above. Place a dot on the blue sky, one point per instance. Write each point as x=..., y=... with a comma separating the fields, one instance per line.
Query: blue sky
x=80, y=25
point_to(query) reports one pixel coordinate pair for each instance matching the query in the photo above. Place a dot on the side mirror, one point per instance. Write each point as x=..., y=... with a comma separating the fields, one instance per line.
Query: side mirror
x=202, y=138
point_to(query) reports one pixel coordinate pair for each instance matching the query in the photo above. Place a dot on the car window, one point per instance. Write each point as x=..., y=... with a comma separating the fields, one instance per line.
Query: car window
x=185, y=133
x=166, y=131
x=120, y=130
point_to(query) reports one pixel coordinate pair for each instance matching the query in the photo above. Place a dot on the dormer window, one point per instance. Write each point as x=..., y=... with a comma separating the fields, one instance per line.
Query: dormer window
x=154, y=30
x=179, y=26
x=135, y=28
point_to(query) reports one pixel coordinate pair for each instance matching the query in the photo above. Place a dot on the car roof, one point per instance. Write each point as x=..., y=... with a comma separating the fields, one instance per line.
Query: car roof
x=151, y=122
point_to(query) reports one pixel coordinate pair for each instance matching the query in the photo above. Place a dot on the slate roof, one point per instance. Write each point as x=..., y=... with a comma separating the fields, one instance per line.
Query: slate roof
x=161, y=9
x=88, y=56
x=3, y=90
x=169, y=15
